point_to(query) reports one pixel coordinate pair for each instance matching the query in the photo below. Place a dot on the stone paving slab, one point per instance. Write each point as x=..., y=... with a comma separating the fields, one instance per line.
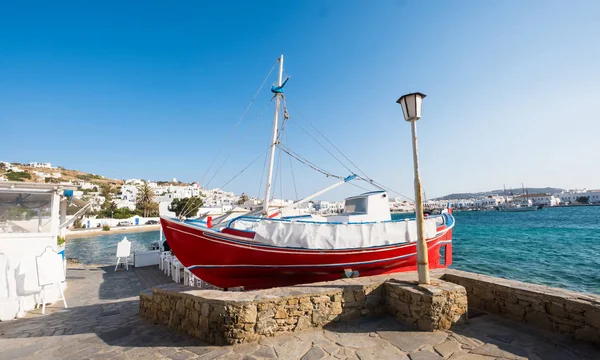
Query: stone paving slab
x=103, y=322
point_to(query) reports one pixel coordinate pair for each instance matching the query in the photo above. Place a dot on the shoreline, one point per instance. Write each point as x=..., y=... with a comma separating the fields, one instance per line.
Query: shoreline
x=78, y=234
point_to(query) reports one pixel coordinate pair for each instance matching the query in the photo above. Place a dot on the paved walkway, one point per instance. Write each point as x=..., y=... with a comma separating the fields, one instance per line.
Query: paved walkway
x=102, y=322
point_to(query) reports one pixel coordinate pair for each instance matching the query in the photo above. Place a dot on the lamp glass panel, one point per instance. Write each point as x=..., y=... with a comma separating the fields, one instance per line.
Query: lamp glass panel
x=411, y=106
x=404, y=110
x=419, y=101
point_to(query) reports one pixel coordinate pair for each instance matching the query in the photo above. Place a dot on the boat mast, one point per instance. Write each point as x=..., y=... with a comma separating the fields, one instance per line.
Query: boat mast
x=273, y=139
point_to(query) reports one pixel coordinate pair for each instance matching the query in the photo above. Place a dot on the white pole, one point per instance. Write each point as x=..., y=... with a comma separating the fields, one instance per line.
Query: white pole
x=310, y=197
x=273, y=140
x=422, y=256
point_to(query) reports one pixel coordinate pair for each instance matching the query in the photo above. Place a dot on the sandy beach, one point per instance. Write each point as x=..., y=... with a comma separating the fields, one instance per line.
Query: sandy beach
x=76, y=234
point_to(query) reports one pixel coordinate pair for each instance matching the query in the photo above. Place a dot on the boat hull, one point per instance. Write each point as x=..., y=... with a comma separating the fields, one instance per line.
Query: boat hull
x=227, y=261
x=519, y=209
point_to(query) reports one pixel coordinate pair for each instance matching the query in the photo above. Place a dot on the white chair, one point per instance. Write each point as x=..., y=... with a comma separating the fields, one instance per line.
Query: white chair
x=50, y=273
x=123, y=252
x=197, y=282
x=167, y=258
x=189, y=279
x=176, y=268
x=162, y=262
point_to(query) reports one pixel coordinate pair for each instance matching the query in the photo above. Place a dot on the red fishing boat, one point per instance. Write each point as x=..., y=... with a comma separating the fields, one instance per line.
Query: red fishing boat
x=266, y=249
x=227, y=260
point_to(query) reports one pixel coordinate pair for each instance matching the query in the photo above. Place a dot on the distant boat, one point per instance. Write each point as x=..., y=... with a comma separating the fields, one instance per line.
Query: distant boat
x=517, y=206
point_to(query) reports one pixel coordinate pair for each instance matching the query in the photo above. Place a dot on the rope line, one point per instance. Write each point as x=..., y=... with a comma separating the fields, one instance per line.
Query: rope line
x=262, y=176
x=308, y=163
x=239, y=122
x=321, y=145
x=358, y=186
x=245, y=168
x=366, y=177
x=293, y=177
x=237, y=146
x=330, y=143
x=383, y=187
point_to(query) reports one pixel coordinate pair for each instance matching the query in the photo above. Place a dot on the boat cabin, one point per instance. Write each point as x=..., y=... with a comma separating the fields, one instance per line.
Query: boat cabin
x=367, y=207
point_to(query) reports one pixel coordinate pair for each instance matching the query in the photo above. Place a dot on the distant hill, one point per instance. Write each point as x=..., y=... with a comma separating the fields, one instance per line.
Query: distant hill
x=31, y=174
x=500, y=192
x=55, y=175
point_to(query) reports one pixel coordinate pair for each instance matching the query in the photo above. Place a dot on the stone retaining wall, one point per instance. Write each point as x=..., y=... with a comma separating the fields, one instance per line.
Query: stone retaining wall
x=221, y=317
x=234, y=317
x=568, y=312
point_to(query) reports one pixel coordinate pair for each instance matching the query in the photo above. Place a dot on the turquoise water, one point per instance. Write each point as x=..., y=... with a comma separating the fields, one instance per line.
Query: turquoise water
x=559, y=247
x=103, y=249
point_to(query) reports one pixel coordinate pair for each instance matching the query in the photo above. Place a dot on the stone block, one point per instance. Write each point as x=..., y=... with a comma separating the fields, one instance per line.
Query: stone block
x=430, y=307
x=265, y=313
x=320, y=316
x=266, y=326
x=281, y=313
x=303, y=323
x=205, y=309
x=249, y=314
x=321, y=299
x=336, y=308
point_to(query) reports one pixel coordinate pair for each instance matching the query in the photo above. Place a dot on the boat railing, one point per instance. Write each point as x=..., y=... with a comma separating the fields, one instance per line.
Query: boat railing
x=442, y=219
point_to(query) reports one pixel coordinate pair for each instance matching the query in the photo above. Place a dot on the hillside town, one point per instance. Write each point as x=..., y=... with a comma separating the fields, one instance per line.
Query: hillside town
x=124, y=195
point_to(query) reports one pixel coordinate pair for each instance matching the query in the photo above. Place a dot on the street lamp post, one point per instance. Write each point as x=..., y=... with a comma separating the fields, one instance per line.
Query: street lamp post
x=411, y=108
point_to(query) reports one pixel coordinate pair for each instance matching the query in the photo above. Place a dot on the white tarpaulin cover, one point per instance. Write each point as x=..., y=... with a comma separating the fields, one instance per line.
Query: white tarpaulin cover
x=338, y=236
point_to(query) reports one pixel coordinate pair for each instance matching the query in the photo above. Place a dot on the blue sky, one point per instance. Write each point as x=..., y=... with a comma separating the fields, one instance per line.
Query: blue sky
x=152, y=89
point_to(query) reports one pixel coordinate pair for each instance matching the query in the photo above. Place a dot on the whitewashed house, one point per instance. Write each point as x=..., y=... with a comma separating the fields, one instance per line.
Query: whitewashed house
x=40, y=165
x=487, y=202
x=571, y=196
x=541, y=199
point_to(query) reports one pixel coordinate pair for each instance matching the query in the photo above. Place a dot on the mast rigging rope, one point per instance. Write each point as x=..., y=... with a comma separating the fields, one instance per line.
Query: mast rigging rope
x=239, y=122
x=308, y=163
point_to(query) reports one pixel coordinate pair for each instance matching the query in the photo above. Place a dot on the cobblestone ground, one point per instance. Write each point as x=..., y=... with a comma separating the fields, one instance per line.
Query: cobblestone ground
x=102, y=322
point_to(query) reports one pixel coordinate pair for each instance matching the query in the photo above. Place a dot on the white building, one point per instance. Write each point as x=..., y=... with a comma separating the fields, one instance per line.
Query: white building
x=134, y=182
x=40, y=165
x=86, y=185
x=541, y=199
x=3, y=179
x=43, y=175
x=326, y=207
x=570, y=197
x=462, y=203
x=10, y=167
x=490, y=201
x=121, y=204
x=39, y=216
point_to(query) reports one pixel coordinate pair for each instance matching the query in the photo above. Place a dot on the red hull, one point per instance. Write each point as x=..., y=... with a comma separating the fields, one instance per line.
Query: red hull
x=226, y=260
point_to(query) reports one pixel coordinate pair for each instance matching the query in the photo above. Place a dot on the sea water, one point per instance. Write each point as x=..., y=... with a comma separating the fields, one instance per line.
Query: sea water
x=102, y=249
x=558, y=247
